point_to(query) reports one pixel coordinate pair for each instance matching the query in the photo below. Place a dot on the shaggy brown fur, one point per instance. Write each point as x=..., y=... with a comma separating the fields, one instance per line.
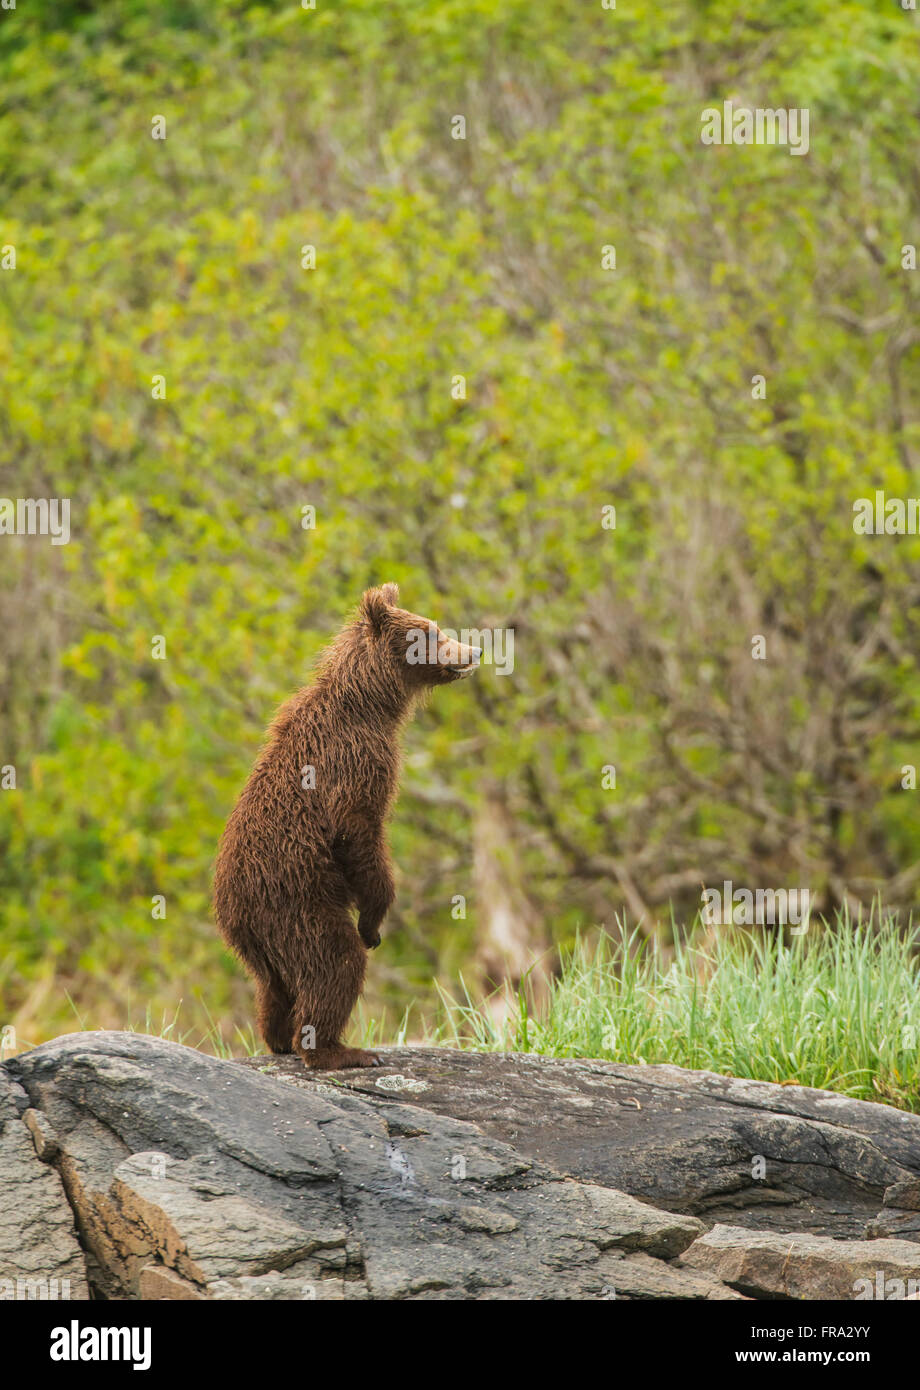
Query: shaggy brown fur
x=294, y=860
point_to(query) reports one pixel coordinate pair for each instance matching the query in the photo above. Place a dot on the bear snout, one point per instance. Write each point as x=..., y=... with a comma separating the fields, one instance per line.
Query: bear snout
x=462, y=660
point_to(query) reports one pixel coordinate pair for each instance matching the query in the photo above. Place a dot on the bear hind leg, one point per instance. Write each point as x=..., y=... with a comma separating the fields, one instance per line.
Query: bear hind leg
x=331, y=981
x=275, y=1014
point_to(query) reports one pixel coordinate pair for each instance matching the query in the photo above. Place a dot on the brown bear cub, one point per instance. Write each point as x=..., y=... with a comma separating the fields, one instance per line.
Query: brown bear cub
x=305, y=842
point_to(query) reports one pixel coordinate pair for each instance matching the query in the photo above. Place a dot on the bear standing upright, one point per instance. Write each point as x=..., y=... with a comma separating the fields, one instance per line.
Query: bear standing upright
x=305, y=842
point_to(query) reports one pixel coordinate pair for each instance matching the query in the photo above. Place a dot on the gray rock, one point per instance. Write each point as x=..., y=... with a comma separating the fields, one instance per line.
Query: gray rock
x=802, y=1266
x=902, y=1225
x=638, y=1276
x=444, y=1175
x=40, y=1256
x=900, y=1216
x=43, y=1136
x=193, y=1177
x=904, y=1195
x=163, y=1156
x=162, y=1285
x=685, y=1141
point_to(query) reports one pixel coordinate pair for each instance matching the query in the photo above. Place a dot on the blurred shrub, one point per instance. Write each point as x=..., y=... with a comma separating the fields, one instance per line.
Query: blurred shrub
x=331, y=388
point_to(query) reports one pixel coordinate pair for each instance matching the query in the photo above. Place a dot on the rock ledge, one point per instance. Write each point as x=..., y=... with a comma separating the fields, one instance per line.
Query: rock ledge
x=139, y=1169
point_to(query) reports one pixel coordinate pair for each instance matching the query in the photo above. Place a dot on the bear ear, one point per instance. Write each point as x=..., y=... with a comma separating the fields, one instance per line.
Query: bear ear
x=376, y=604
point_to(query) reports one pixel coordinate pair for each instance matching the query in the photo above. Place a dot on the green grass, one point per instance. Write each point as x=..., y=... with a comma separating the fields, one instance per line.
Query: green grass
x=168, y=1025
x=838, y=1008
x=212, y=1040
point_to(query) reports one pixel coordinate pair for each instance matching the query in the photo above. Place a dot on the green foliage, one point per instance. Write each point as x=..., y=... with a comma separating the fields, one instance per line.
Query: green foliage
x=330, y=388
x=838, y=1009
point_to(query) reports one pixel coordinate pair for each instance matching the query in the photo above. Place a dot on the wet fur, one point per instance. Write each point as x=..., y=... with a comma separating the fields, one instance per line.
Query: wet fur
x=294, y=863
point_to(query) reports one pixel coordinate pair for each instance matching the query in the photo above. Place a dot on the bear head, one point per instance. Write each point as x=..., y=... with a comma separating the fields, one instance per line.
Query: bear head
x=416, y=648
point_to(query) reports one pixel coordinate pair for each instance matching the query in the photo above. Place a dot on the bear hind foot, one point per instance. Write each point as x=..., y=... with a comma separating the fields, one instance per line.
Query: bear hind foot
x=335, y=1057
